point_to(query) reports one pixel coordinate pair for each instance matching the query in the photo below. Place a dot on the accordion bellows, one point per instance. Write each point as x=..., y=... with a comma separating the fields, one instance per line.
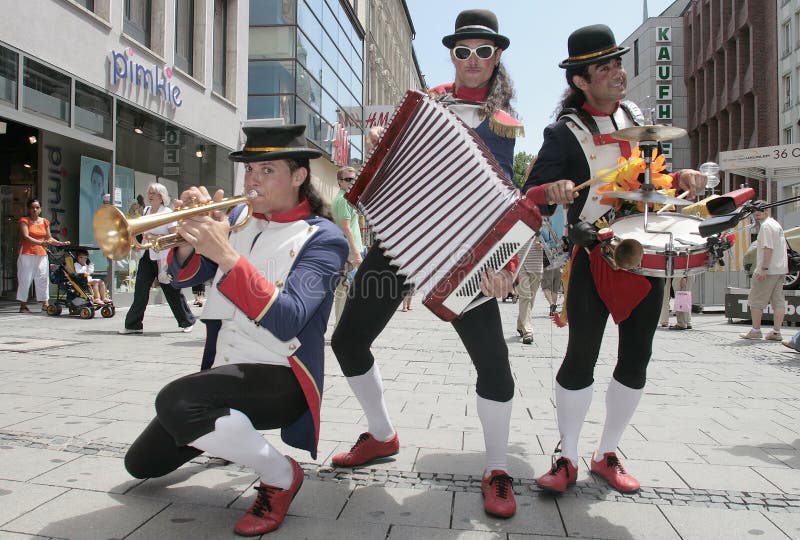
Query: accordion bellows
x=440, y=206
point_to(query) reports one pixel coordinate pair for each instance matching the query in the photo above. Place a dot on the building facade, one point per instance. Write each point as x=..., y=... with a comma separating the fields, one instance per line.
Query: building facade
x=732, y=90
x=100, y=97
x=306, y=66
x=656, y=81
x=392, y=67
x=787, y=179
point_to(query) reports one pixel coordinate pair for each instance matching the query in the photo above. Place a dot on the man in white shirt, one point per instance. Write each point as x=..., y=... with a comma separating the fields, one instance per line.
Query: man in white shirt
x=766, y=288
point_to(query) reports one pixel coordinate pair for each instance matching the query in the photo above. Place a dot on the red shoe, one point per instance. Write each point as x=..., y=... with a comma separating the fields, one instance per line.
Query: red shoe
x=562, y=475
x=365, y=450
x=270, y=507
x=498, y=494
x=612, y=470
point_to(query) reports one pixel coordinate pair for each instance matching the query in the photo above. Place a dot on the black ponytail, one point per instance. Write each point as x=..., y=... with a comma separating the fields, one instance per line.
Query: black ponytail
x=315, y=200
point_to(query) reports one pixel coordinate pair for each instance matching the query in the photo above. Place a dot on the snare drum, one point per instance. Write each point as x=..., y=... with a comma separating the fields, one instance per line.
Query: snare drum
x=689, y=255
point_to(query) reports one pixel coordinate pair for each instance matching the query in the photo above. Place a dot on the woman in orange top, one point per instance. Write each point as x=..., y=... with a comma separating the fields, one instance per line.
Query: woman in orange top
x=34, y=233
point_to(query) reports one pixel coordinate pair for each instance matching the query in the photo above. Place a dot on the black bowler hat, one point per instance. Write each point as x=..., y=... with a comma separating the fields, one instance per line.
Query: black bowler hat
x=277, y=142
x=476, y=24
x=590, y=45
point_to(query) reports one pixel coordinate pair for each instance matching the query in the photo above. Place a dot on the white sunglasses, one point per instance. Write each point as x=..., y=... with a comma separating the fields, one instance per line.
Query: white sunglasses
x=484, y=52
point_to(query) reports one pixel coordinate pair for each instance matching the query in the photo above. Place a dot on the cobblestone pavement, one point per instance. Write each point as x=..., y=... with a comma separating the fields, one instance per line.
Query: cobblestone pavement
x=715, y=443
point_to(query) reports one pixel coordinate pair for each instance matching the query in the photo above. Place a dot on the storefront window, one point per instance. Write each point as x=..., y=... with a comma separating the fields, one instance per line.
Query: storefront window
x=136, y=22
x=308, y=89
x=312, y=121
x=92, y=110
x=165, y=153
x=220, y=39
x=45, y=91
x=271, y=107
x=266, y=12
x=308, y=55
x=9, y=63
x=271, y=42
x=270, y=78
x=184, y=35
x=309, y=24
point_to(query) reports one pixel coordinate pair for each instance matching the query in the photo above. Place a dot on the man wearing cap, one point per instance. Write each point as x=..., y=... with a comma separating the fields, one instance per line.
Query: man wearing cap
x=266, y=315
x=575, y=148
x=480, y=94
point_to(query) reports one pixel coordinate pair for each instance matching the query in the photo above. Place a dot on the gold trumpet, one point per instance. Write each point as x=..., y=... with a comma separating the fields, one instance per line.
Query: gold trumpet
x=116, y=234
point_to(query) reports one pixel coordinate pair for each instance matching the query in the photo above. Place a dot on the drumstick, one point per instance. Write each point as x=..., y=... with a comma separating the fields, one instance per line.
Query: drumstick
x=681, y=196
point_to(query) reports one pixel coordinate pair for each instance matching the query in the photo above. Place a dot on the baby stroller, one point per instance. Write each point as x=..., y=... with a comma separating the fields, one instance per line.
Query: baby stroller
x=73, y=290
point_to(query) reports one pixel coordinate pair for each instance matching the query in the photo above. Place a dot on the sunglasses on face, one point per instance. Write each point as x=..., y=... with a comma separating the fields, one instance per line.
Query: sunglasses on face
x=484, y=52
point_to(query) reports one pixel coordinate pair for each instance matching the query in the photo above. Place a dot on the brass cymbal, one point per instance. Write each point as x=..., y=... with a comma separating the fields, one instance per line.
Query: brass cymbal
x=649, y=133
x=646, y=196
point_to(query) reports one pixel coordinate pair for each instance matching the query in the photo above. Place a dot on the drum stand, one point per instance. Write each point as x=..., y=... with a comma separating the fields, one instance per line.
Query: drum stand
x=648, y=188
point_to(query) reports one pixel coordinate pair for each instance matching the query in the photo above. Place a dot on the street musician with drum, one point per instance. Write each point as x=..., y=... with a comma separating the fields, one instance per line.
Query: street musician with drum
x=576, y=147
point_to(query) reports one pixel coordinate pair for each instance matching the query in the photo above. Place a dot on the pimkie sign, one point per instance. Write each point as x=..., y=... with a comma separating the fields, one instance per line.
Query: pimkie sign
x=155, y=81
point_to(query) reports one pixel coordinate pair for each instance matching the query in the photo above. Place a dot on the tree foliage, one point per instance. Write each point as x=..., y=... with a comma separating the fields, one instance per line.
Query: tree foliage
x=521, y=161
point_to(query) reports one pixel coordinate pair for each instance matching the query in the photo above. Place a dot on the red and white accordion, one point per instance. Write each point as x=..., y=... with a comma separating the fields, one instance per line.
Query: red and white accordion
x=440, y=206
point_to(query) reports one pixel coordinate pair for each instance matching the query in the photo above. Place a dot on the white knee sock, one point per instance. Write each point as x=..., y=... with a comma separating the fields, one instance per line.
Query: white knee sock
x=621, y=403
x=235, y=439
x=368, y=389
x=571, y=409
x=495, y=419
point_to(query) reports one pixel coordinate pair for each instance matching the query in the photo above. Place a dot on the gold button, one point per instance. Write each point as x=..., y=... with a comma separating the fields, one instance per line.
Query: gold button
x=593, y=156
x=310, y=229
x=291, y=253
x=292, y=347
x=583, y=140
x=279, y=283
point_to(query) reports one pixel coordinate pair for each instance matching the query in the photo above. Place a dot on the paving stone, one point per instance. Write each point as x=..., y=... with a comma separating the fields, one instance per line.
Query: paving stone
x=20, y=463
x=16, y=498
x=725, y=477
x=598, y=519
x=295, y=528
x=87, y=515
x=184, y=521
x=429, y=533
x=400, y=506
x=94, y=473
x=535, y=515
x=787, y=480
x=195, y=484
x=701, y=524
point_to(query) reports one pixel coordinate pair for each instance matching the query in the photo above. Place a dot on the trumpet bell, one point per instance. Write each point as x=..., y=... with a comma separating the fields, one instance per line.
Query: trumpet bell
x=111, y=232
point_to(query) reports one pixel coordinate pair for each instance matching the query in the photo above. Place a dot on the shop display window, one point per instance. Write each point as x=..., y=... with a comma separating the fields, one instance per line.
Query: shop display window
x=92, y=110
x=266, y=12
x=9, y=63
x=45, y=90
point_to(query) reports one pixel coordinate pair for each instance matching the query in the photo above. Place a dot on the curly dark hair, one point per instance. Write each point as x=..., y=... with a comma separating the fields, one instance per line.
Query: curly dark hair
x=501, y=92
x=318, y=204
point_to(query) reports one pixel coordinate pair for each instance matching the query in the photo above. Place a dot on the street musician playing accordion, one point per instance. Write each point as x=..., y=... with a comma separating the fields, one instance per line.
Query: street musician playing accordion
x=481, y=96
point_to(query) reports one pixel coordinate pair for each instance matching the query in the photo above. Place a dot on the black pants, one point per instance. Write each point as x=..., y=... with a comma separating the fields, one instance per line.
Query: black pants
x=146, y=272
x=377, y=292
x=187, y=409
x=587, y=321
